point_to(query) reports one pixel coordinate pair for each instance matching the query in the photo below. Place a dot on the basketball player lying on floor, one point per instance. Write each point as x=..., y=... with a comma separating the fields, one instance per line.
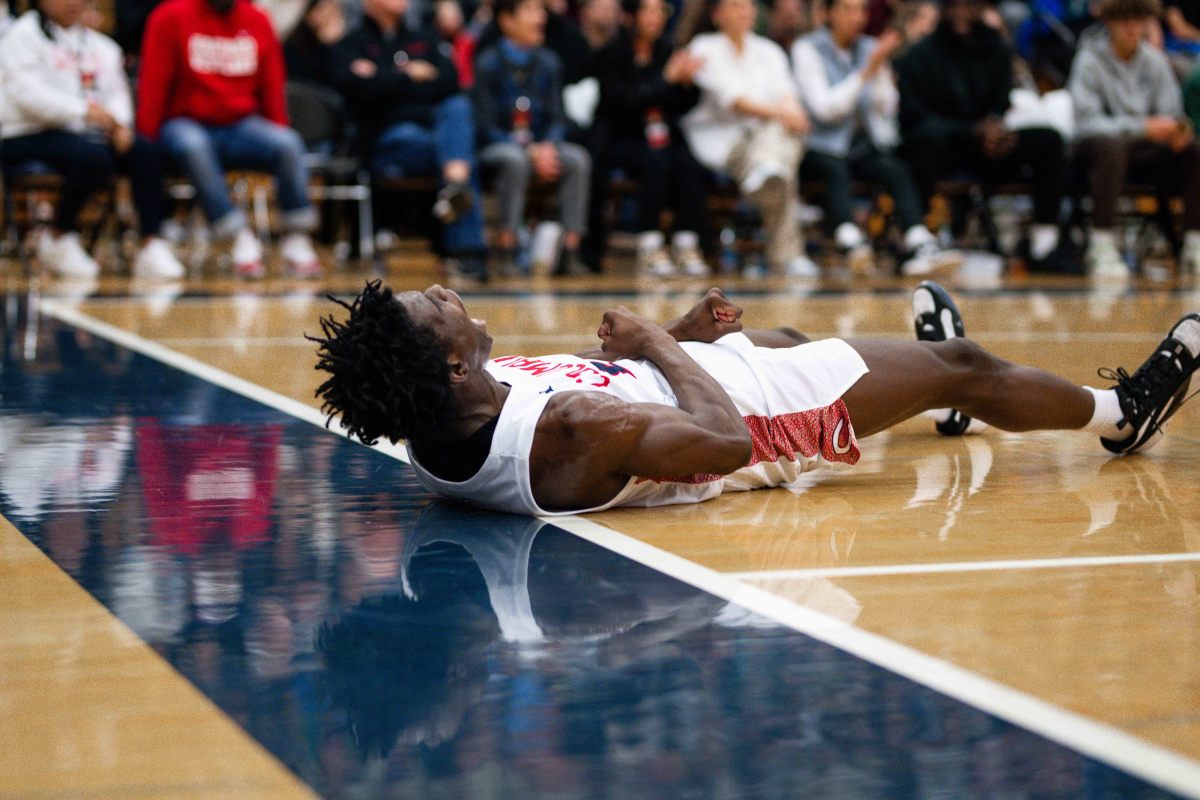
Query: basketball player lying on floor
x=680, y=413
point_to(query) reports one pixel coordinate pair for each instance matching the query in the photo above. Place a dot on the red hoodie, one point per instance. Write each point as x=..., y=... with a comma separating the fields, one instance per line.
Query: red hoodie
x=214, y=68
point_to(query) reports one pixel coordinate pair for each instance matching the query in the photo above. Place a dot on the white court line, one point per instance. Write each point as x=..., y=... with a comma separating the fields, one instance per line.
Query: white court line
x=964, y=566
x=192, y=366
x=1096, y=740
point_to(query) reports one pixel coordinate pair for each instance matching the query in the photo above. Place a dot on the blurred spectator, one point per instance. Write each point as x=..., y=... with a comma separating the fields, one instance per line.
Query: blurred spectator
x=1130, y=123
x=749, y=125
x=316, y=110
x=788, y=20
x=954, y=91
x=847, y=86
x=6, y=17
x=560, y=35
x=65, y=101
x=211, y=88
x=402, y=91
x=1191, y=98
x=308, y=49
x=599, y=21
x=285, y=15
x=519, y=109
x=880, y=14
x=1047, y=39
x=448, y=19
x=1013, y=14
x=131, y=16
x=1182, y=34
x=644, y=89
x=914, y=20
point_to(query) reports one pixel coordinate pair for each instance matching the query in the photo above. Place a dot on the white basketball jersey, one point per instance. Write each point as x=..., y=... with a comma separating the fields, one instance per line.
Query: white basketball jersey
x=790, y=399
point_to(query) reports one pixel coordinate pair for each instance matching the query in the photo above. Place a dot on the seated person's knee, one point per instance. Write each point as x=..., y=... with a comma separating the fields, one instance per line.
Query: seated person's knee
x=456, y=104
x=185, y=138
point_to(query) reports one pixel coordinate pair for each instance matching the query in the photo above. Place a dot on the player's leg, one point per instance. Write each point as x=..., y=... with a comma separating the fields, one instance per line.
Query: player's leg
x=907, y=378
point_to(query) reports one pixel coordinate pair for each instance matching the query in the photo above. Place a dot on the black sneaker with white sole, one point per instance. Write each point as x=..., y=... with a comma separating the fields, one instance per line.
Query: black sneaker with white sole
x=1150, y=396
x=937, y=319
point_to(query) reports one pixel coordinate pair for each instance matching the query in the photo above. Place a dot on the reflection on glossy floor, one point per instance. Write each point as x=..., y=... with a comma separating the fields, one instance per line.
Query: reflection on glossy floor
x=1090, y=600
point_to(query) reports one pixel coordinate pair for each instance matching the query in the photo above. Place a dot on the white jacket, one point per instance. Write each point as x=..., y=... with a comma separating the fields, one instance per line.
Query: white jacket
x=759, y=73
x=46, y=81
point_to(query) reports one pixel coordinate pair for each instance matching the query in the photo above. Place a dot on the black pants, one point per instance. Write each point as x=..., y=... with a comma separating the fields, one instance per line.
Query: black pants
x=87, y=166
x=1040, y=149
x=1109, y=161
x=865, y=163
x=668, y=175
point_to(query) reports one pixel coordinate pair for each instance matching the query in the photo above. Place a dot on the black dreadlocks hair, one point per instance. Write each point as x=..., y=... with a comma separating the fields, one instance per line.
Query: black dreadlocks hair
x=389, y=377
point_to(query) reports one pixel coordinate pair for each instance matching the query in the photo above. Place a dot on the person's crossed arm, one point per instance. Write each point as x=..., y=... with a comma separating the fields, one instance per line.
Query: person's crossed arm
x=710, y=319
x=588, y=444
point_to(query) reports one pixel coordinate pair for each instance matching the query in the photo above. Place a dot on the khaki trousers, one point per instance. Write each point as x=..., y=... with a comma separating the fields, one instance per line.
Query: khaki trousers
x=770, y=143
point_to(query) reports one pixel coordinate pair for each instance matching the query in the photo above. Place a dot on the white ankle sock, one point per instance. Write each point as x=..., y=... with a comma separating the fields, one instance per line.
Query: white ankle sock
x=1042, y=240
x=1107, y=413
x=938, y=414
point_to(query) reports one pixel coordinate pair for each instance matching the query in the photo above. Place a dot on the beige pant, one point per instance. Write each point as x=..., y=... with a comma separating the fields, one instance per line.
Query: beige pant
x=770, y=143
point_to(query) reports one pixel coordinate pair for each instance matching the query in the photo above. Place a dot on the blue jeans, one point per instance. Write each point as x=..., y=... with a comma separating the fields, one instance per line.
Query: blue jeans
x=408, y=148
x=87, y=166
x=206, y=151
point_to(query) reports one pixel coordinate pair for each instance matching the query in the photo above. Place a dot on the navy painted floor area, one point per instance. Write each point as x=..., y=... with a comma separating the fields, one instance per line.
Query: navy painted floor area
x=380, y=644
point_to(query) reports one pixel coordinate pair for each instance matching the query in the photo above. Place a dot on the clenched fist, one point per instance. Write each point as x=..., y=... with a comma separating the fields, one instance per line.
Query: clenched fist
x=710, y=319
x=624, y=334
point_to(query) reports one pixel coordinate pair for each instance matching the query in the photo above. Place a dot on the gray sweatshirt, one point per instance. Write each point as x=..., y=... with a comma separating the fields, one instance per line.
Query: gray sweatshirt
x=1114, y=97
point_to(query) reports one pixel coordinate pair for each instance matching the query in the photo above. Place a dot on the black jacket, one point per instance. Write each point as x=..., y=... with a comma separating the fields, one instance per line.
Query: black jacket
x=628, y=91
x=948, y=84
x=389, y=96
x=307, y=57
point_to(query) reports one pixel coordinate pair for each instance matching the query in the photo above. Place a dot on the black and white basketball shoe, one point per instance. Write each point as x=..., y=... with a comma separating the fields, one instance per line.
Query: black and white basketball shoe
x=937, y=319
x=1150, y=396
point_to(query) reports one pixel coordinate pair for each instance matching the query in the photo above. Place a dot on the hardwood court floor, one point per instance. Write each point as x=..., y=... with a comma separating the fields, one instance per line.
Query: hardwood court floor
x=1035, y=560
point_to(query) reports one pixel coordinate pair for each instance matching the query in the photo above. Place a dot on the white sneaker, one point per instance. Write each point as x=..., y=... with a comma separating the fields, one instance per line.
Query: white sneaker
x=65, y=256
x=247, y=255
x=928, y=258
x=155, y=261
x=1103, y=260
x=299, y=257
x=652, y=258
x=802, y=267
x=1189, y=257
x=685, y=247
